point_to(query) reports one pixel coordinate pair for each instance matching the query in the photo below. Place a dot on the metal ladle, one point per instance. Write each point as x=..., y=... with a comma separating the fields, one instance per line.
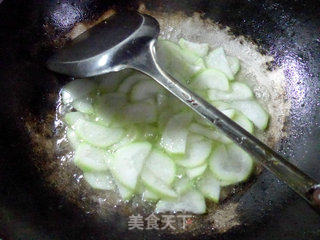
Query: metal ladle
x=127, y=40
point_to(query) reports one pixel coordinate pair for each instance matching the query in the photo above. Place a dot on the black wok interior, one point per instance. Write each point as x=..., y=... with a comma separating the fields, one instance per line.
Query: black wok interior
x=30, y=30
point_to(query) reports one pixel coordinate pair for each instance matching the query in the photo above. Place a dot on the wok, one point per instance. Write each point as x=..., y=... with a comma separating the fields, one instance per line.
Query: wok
x=36, y=200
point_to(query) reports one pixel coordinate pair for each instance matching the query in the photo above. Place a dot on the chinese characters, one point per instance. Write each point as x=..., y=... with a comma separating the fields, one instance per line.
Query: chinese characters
x=162, y=222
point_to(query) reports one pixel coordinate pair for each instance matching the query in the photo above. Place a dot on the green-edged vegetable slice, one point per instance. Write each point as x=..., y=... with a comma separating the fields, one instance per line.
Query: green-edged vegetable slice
x=234, y=64
x=230, y=163
x=156, y=185
x=196, y=152
x=209, y=186
x=197, y=171
x=144, y=90
x=238, y=91
x=127, y=84
x=217, y=60
x=72, y=137
x=128, y=162
x=201, y=49
x=174, y=137
x=210, y=79
x=140, y=112
x=253, y=110
x=90, y=158
x=181, y=64
x=125, y=193
x=108, y=107
x=77, y=89
x=72, y=117
x=98, y=135
x=182, y=185
x=192, y=201
x=99, y=180
x=84, y=105
x=110, y=82
x=161, y=165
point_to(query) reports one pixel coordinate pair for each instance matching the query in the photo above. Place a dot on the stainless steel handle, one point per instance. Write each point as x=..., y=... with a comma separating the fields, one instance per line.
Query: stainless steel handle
x=300, y=182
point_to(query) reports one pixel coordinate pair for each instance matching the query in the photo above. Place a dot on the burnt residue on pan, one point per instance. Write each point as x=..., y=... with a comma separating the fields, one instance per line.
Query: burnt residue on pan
x=253, y=33
x=66, y=179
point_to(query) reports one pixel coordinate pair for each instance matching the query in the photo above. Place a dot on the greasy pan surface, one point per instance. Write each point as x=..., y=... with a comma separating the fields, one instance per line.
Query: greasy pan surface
x=30, y=208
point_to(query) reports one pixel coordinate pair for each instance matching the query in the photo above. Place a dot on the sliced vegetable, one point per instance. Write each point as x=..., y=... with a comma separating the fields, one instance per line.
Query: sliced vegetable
x=96, y=134
x=161, y=166
x=174, y=137
x=238, y=91
x=244, y=122
x=130, y=81
x=77, y=89
x=144, y=90
x=196, y=153
x=252, y=110
x=72, y=117
x=131, y=135
x=208, y=132
x=182, y=185
x=99, y=180
x=181, y=64
x=140, y=188
x=230, y=163
x=108, y=107
x=83, y=105
x=221, y=105
x=217, y=59
x=194, y=138
x=230, y=113
x=72, y=137
x=234, y=64
x=140, y=112
x=124, y=192
x=197, y=171
x=162, y=101
x=150, y=196
x=192, y=202
x=89, y=158
x=210, y=79
x=149, y=132
x=110, y=82
x=201, y=49
x=157, y=186
x=209, y=187
x=128, y=162
x=163, y=119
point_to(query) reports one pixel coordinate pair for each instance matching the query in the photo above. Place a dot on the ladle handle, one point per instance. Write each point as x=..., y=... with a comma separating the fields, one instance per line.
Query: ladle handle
x=296, y=179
